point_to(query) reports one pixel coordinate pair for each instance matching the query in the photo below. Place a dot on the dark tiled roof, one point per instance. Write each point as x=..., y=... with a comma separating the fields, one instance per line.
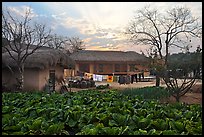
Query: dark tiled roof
x=93, y=55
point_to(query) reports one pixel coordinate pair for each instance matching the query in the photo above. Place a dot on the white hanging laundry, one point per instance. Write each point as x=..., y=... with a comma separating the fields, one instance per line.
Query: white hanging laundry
x=94, y=77
x=97, y=77
x=100, y=78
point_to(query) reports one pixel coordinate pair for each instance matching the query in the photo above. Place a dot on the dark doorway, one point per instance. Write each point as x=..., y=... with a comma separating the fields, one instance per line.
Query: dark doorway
x=52, y=81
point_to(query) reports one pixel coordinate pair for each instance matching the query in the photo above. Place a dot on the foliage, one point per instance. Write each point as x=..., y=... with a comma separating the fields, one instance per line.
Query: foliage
x=90, y=112
x=147, y=92
x=102, y=86
x=176, y=76
x=186, y=61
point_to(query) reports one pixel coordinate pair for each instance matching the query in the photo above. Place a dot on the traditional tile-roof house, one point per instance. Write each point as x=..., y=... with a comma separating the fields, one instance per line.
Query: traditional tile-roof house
x=39, y=67
x=109, y=62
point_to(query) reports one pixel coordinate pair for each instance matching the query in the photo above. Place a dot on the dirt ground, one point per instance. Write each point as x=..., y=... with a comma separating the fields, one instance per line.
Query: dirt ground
x=194, y=96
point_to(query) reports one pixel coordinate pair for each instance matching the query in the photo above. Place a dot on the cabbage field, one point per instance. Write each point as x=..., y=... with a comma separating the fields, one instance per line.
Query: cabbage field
x=91, y=112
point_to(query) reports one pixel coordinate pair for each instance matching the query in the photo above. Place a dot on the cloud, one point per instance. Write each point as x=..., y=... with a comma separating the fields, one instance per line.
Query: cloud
x=93, y=15
x=120, y=47
x=87, y=40
x=195, y=7
x=104, y=48
x=59, y=16
x=21, y=11
x=99, y=24
x=84, y=26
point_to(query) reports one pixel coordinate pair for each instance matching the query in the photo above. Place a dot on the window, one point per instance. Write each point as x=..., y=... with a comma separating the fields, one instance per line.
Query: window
x=84, y=67
x=123, y=68
x=100, y=67
x=132, y=67
x=95, y=68
x=117, y=67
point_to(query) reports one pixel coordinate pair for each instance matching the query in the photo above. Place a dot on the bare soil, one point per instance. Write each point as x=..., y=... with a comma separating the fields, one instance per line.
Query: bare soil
x=194, y=96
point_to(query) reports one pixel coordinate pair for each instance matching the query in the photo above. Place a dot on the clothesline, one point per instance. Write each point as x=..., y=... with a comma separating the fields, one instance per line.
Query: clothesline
x=95, y=77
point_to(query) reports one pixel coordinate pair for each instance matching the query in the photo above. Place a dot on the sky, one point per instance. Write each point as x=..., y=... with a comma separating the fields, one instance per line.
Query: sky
x=101, y=25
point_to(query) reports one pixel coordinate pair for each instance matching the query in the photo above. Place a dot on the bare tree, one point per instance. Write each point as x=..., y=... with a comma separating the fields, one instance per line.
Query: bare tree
x=58, y=42
x=180, y=67
x=162, y=31
x=24, y=39
x=69, y=45
x=4, y=43
x=76, y=44
x=156, y=63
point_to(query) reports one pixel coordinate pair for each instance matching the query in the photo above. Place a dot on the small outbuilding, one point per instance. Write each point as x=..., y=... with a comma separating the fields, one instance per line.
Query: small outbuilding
x=45, y=63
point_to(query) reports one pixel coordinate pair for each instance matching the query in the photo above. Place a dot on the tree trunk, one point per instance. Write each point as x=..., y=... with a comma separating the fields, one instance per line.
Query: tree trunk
x=167, y=76
x=20, y=80
x=157, y=80
x=177, y=98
